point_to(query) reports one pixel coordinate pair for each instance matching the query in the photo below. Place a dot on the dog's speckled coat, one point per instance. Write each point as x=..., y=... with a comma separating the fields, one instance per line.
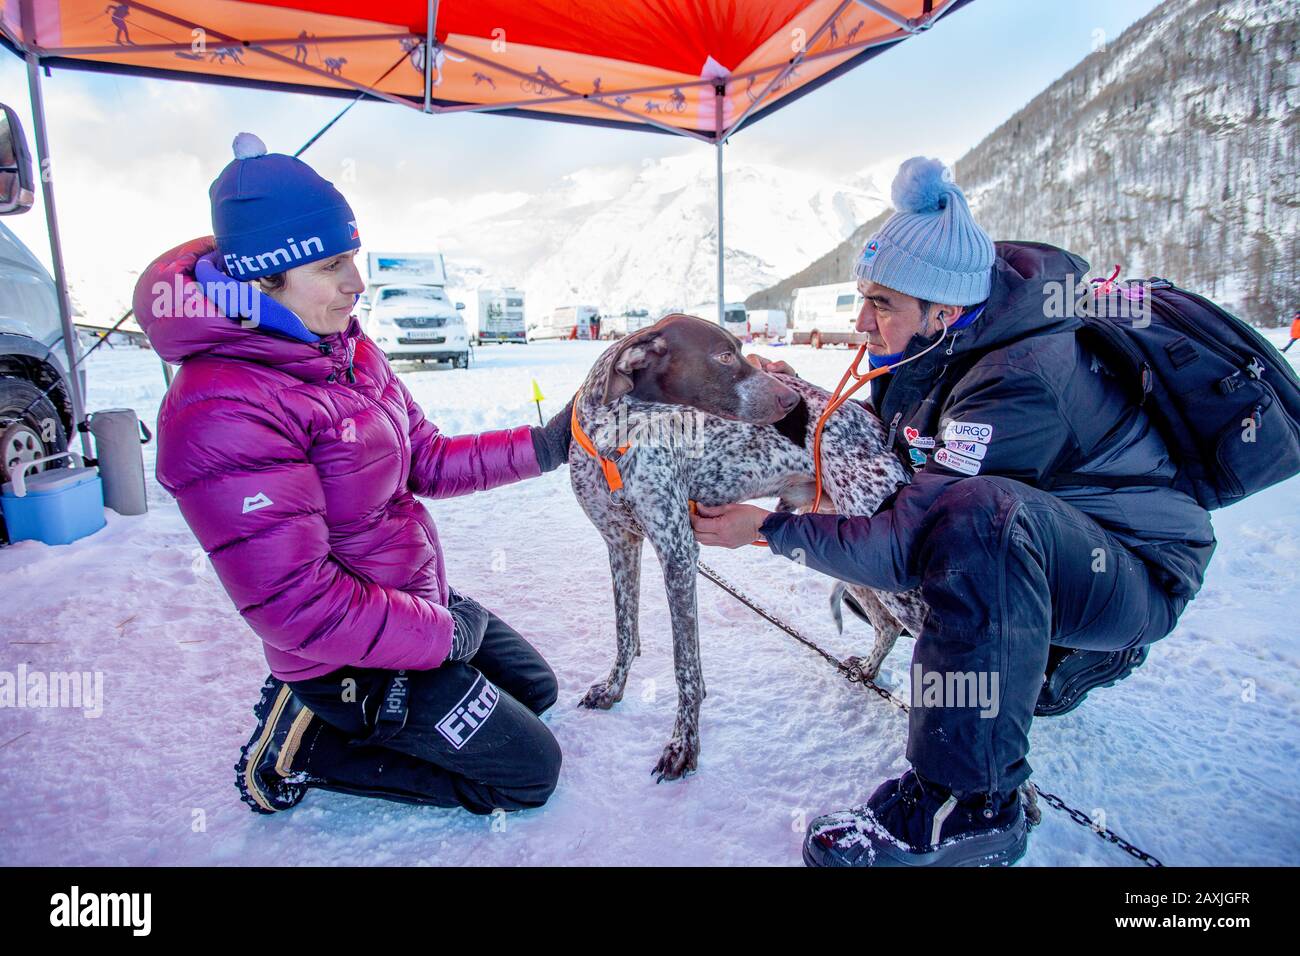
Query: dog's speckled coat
x=717, y=461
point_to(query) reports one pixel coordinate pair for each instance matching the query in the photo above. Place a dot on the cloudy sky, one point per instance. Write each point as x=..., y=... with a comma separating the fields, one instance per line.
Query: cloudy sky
x=133, y=158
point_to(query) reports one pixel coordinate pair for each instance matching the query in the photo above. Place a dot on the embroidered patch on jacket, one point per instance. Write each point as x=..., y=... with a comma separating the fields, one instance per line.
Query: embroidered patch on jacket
x=918, y=457
x=967, y=466
x=916, y=439
x=464, y=720
x=968, y=431
x=971, y=449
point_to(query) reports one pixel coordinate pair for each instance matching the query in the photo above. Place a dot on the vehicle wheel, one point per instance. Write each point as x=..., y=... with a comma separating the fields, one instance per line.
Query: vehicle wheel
x=26, y=417
x=460, y=361
x=815, y=340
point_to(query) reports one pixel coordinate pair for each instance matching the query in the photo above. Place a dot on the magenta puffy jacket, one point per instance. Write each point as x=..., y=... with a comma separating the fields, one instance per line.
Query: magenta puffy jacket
x=300, y=484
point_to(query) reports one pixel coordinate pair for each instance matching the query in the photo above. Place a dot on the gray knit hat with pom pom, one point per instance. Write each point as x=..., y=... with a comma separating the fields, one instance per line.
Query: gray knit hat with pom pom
x=931, y=248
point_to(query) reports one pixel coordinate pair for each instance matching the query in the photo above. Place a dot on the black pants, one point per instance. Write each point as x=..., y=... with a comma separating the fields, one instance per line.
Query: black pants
x=1009, y=570
x=472, y=736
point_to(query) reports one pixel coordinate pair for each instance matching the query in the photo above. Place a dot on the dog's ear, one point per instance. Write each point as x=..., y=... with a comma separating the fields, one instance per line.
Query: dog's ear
x=635, y=352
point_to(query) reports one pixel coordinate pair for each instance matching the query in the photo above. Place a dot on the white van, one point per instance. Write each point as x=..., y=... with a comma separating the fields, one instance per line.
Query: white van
x=768, y=323
x=417, y=323
x=568, y=322
x=500, y=316
x=826, y=315
x=735, y=319
x=625, y=323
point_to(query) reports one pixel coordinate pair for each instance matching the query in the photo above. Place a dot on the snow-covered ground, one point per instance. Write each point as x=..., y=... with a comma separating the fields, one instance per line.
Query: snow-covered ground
x=1193, y=758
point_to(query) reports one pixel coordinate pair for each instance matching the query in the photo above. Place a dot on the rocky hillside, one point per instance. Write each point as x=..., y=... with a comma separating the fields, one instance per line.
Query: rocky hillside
x=1172, y=152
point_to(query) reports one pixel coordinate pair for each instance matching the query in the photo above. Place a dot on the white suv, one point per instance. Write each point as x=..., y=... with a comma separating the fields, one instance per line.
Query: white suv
x=417, y=323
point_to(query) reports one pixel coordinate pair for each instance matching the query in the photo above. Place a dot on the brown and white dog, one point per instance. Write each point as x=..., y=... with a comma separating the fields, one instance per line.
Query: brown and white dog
x=701, y=424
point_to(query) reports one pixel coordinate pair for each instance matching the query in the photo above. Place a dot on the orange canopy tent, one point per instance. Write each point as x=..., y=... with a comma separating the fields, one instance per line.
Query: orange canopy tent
x=696, y=68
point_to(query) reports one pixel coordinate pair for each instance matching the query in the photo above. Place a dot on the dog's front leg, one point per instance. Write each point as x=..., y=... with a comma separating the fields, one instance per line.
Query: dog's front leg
x=887, y=629
x=625, y=572
x=678, y=552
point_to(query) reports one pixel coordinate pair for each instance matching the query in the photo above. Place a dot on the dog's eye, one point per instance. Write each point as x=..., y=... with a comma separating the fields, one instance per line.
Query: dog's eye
x=726, y=358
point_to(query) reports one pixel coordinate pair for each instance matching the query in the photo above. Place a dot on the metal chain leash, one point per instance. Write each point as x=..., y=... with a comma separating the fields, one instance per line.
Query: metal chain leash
x=854, y=675
x=1110, y=836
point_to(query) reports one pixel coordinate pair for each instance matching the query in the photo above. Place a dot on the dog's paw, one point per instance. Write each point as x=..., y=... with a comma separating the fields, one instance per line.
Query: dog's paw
x=600, y=697
x=866, y=668
x=679, y=758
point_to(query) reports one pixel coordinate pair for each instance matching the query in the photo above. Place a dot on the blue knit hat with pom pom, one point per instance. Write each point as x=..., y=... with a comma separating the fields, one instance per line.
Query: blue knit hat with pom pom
x=272, y=212
x=931, y=248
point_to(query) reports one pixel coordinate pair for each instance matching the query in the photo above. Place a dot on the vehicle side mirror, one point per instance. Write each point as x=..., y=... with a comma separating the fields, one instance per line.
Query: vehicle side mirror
x=17, y=187
x=460, y=305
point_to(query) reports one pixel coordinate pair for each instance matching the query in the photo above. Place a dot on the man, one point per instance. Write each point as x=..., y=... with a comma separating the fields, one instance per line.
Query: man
x=1023, y=576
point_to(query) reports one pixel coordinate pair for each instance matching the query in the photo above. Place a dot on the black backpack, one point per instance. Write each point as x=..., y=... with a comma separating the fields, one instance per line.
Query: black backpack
x=1225, y=399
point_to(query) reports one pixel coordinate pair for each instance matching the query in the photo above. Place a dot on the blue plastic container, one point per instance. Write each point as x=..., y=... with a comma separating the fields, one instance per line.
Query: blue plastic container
x=59, y=506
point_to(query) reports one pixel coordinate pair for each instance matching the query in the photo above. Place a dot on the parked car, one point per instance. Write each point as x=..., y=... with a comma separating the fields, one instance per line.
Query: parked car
x=36, y=415
x=417, y=323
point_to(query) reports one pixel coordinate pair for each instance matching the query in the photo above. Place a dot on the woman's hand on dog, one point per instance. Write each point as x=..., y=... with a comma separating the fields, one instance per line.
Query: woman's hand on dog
x=727, y=526
x=776, y=368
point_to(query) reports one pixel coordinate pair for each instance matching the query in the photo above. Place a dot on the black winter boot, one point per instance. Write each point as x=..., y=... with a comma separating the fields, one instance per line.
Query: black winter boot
x=263, y=775
x=910, y=822
x=1071, y=673
x=292, y=750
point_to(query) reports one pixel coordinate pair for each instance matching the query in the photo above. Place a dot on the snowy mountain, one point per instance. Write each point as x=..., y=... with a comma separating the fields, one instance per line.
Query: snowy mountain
x=646, y=237
x=1170, y=151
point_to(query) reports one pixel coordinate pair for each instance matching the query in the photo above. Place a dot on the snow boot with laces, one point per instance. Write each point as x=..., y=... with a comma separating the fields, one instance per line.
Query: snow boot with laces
x=911, y=822
x=264, y=777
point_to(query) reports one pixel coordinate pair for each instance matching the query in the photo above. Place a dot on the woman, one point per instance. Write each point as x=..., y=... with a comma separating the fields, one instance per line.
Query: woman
x=295, y=454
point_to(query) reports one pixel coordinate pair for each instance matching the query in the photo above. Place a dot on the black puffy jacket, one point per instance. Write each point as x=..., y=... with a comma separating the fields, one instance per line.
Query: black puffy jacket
x=1018, y=379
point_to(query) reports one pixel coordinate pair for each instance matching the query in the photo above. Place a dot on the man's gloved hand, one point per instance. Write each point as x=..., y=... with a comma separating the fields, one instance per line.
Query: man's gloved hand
x=551, y=441
x=471, y=621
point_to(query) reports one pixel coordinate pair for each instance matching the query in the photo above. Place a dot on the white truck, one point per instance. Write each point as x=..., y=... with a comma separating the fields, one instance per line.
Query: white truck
x=568, y=322
x=407, y=312
x=500, y=316
x=827, y=315
x=625, y=323
x=734, y=317
x=770, y=324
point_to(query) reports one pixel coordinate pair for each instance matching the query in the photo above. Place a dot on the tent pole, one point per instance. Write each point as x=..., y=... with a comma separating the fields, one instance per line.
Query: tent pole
x=897, y=19
x=428, y=55
x=52, y=224
x=721, y=247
